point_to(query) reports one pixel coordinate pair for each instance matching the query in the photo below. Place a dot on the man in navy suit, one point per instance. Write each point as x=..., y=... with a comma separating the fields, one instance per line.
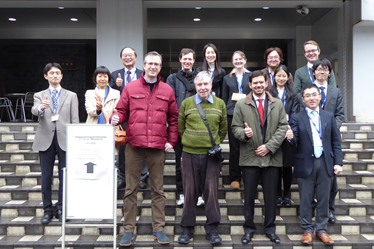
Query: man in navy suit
x=318, y=157
x=120, y=78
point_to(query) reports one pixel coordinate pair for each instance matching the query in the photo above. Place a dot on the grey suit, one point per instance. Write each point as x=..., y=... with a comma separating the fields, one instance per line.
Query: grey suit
x=335, y=104
x=50, y=139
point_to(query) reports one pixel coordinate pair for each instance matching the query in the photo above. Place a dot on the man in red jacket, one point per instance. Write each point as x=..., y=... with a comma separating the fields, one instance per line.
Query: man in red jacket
x=151, y=112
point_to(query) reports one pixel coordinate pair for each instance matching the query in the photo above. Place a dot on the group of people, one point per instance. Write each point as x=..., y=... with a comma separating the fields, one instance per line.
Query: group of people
x=274, y=123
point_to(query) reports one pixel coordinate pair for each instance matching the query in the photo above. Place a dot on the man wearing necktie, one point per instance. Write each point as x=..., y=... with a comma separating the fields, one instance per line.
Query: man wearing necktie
x=318, y=158
x=260, y=124
x=56, y=107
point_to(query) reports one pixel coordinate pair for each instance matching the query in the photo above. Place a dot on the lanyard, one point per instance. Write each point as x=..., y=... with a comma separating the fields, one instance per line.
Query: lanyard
x=315, y=126
x=240, y=84
x=283, y=99
x=271, y=77
x=310, y=75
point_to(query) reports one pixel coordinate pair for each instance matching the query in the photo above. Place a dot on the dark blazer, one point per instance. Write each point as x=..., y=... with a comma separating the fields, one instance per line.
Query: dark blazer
x=230, y=86
x=114, y=75
x=304, y=157
x=335, y=104
x=217, y=81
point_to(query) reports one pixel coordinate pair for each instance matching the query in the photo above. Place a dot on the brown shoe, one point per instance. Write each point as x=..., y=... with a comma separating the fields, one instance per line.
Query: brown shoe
x=325, y=238
x=307, y=238
x=235, y=185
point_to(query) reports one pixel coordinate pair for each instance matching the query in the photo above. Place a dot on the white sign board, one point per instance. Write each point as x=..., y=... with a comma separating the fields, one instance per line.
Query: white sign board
x=90, y=172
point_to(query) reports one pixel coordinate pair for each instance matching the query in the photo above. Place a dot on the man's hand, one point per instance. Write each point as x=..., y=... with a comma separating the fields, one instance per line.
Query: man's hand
x=45, y=104
x=119, y=80
x=262, y=151
x=168, y=147
x=115, y=118
x=248, y=131
x=289, y=133
x=99, y=105
x=338, y=169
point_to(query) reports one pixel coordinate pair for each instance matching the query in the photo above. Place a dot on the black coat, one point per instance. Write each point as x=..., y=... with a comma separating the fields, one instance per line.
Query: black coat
x=217, y=81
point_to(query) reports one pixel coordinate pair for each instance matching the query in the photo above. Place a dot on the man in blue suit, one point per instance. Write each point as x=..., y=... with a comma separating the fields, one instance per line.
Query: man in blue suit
x=318, y=157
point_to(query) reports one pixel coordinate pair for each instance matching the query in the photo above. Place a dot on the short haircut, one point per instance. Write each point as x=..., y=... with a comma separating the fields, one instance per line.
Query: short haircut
x=185, y=51
x=50, y=65
x=322, y=62
x=152, y=53
x=99, y=70
x=309, y=86
x=255, y=74
x=120, y=54
x=311, y=42
x=276, y=49
x=202, y=75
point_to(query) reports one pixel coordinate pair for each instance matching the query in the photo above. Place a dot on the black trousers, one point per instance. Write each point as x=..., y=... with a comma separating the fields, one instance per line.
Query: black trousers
x=178, y=172
x=285, y=173
x=269, y=178
x=333, y=193
x=47, y=162
x=235, y=170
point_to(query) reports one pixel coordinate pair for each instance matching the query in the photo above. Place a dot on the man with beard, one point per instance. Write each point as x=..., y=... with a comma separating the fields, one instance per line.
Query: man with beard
x=260, y=124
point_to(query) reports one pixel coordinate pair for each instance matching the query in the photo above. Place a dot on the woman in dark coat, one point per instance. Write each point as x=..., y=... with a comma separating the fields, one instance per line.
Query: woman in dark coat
x=283, y=90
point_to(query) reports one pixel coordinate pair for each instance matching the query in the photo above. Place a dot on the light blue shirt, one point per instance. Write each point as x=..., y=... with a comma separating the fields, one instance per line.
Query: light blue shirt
x=198, y=100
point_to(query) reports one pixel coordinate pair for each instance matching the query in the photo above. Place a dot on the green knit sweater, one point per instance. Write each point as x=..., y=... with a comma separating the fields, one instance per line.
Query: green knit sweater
x=194, y=134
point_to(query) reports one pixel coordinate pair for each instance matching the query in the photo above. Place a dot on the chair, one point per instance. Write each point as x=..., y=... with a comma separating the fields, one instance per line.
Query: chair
x=7, y=104
x=23, y=103
x=29, y=102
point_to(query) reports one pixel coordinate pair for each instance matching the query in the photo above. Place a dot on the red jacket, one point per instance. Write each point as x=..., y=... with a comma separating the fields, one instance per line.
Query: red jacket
x=148, y=113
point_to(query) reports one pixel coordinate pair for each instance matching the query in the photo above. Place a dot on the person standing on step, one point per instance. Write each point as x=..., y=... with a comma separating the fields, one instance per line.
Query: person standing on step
x=260, y=124
x=283, y=90
x=148, y=106
x=56, y=107
x=235, y=87
x=183, y=86
x=202, y=124
x=318, y=157
x=119, y=79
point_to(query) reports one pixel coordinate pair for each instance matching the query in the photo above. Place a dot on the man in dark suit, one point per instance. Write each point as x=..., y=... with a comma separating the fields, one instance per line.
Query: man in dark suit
x=331, y=101
x=318, y=157
x=120, y=78
x=56, y=107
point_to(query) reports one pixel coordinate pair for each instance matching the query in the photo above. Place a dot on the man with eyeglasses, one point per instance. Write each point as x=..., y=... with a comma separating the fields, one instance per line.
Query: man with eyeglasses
x=151, y=112
x=304, y=75
x=318, y=158
x=120, y=78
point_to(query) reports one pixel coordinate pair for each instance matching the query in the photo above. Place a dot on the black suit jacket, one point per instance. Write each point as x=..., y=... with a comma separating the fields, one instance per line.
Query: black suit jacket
x=335, y=104
x=216, y=82
x=230, y=86
x=114, y=75
x=304, y=157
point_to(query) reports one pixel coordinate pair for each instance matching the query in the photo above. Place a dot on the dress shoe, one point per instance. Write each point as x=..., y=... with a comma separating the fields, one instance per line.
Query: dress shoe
x=287, y=201
x=279, y=201
x=332, y=218
x=142, y=185
x=247, y=237
x=214, y=238
x=185, y=238
x=59, y=215
x=273, y=238
x=307, y=238
x=46, y=218
x=121, y=184
x=325, y=238
x=235, y=185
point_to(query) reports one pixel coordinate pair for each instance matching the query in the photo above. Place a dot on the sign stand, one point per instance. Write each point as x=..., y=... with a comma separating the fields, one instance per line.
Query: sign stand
x=89, y=185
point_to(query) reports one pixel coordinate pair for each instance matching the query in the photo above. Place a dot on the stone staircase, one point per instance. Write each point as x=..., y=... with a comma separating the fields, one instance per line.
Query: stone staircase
x=21, y=204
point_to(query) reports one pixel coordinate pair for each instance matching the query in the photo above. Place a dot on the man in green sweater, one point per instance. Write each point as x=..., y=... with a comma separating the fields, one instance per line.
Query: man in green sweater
x=198, y=168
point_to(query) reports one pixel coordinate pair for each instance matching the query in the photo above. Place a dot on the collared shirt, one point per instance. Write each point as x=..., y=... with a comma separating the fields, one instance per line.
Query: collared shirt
x=257, y=98
x=198, y=100
x=50, y=100
x=310, y=65
x=132, y=74
x=315, y=133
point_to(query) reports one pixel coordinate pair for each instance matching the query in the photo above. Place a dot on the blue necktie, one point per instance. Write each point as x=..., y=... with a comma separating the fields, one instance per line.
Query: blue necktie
x=323, y=96
x=316, y=138
x=54, y=100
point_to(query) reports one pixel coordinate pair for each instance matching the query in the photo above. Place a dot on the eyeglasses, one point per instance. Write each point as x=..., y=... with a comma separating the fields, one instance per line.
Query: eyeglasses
x=320, y=70
x=127, y=55
x=311, y=51
x=153, y=64
x=273, y=57
x=54, y=72
x=308, y=96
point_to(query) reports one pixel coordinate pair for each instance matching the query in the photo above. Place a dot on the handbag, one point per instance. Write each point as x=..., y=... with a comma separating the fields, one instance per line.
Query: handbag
x=119, y=135
x=216, y=150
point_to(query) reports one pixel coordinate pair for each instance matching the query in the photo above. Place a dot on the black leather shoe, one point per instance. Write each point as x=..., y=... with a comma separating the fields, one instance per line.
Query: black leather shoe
x=287, y=201
x=214, y=238
x=46, y=218
x=121, y=185
x=142, y=185
x=279, y=201
x=273, y=238
x=59, y=215
x=332, y=218
x=185, y=238
x=247, y=237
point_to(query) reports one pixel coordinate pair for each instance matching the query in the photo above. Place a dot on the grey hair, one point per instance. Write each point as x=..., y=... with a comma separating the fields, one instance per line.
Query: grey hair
x=202, y=75
x=152, y=53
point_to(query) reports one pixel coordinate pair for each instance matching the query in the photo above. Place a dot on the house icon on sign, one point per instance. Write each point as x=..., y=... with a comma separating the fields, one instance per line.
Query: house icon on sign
x=90, y=167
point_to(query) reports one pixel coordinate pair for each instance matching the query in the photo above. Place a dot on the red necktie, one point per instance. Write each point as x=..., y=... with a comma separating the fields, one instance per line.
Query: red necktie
x=261, y=110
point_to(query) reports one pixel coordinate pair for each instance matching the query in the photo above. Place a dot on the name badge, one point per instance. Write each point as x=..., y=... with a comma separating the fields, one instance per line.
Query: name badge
x=54, y=118
x=237, y=96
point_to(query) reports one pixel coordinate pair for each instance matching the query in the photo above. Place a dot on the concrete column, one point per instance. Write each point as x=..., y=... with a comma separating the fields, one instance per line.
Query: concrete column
x=303, y=34
x=120, y=23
